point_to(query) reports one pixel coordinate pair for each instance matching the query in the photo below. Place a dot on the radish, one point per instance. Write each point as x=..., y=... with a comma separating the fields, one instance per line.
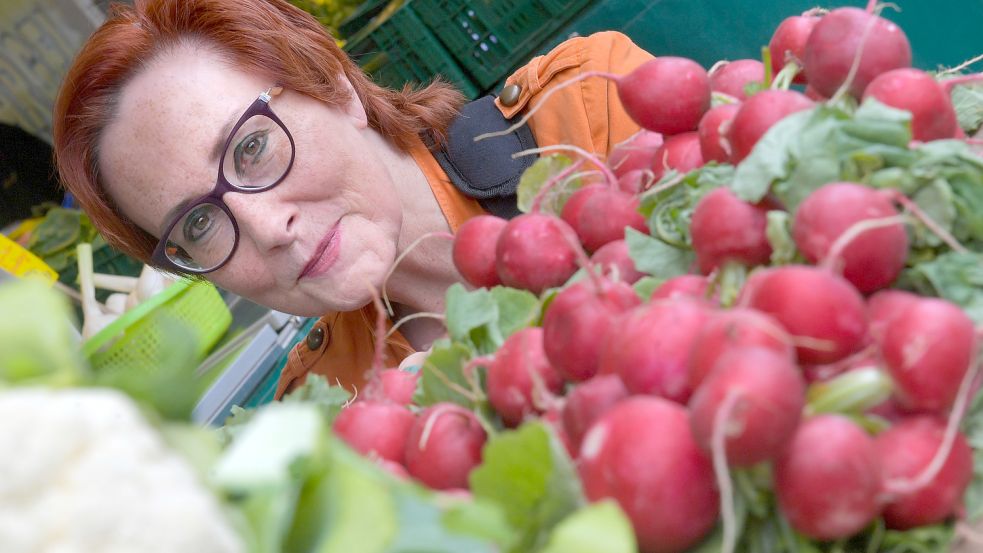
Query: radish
x=642, y=454
x=905, y=450
x=587, y=402
x=870, y=260
x=734, y=329
x=726, y=228
x=864, y=359
x=732, y=77
x=444, y=445
x=650, y=347
x=575, y=203
x=615, y=258
x=757, y=114
x=395, y=385
x=824, y=313
x=828, y=479
x=690, y=286
x=713, y=147
x=536, y=251
x=636, y=181
x=667, y=95
x=680, y=152
x=915, y=91
x=374, y=427
x=521, y=379
x=604, y=217
x=635, y=153
x=928, y=347
x=789, y=41
x=836, y=41
x=474, y=250
x=814, y=95
x=768, y=397
x=577, y=320
x=883, y=307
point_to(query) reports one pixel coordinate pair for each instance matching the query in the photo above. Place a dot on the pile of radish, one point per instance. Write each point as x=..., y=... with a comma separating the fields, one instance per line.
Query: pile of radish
x=794, y=356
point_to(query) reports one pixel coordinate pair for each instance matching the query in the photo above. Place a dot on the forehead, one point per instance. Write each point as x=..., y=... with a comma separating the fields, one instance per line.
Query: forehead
x=158, y=148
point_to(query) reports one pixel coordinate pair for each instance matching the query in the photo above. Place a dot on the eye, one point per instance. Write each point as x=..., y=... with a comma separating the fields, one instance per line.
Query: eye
x=249, y=152
x=197, y=223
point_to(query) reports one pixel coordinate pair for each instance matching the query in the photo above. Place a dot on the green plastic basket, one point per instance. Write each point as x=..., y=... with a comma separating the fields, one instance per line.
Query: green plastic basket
x=402, y=50
x=137, y=339
x=490, y=38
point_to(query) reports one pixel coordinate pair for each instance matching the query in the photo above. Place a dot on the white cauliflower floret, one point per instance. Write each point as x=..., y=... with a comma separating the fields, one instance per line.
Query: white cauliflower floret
x=81, y=471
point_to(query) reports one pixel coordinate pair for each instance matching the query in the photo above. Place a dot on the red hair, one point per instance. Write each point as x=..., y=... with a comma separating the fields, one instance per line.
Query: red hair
x=269, y=36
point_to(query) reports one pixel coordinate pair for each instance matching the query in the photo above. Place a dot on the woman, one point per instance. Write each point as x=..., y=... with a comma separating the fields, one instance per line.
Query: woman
x=232, y=139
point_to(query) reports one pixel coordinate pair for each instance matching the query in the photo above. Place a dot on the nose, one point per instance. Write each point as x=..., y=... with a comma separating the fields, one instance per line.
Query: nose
x=264, y=219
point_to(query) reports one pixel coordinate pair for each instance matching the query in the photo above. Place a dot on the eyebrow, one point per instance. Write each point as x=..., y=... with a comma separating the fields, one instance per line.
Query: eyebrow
x=173, y=213
x=223, y=136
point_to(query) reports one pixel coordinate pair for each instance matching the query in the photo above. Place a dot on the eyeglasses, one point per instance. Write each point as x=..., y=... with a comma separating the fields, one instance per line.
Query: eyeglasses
x=256, y=157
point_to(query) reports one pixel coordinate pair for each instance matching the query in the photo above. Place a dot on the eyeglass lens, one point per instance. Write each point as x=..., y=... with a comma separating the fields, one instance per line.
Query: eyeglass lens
x=258, y=156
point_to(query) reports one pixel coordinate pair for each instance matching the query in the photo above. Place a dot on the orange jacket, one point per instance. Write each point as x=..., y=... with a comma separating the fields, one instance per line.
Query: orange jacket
x=588, y=115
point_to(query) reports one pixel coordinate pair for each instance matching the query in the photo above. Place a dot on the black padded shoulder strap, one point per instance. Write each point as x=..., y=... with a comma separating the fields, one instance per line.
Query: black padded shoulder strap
x=485, y=170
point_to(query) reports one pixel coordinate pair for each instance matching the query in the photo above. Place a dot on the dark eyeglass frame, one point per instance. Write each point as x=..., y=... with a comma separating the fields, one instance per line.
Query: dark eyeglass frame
x=260, y=106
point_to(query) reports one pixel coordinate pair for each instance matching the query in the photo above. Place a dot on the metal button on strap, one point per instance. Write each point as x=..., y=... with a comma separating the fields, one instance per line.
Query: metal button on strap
x=315, y=338
x=510, y=95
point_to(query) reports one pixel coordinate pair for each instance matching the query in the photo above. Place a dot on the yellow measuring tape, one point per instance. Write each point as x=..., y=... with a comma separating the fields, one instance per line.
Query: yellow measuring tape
x=21, y=263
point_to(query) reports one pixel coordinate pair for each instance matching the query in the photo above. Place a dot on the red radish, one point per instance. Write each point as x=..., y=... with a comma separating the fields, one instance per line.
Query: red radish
x=393, y=468
x=789, y=43
x=726, y=228
x=690, y=286
x=635, y=153
x=615, y=257
x=577, y=320
x=636, y=181
x=835, y=42
x=575, y=203
x=604, y=217
x=373, y=427
x=642, y=454
x=905, y=450
x=713, y=147
x=474, y=250
x=769, y=393
x=872, y=259
x=734, y=329
x=650, y=346
x=824, y=313
x=520, y=379
x=915, y=91
x=680, y=152
x=828, y=479
x=587, y=402
x=883, y=307
x=757, y=114
x=395, y=385
x=928, y=347
x=666, y=95
x=814, y=95
x=443, y=445
x=732, y=77
x=535, y=251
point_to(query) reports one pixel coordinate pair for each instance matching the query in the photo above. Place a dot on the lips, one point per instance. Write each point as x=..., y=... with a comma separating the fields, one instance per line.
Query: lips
x=324, y=255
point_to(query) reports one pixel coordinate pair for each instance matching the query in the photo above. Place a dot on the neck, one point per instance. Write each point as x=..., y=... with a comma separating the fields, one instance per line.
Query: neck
x=420, y=280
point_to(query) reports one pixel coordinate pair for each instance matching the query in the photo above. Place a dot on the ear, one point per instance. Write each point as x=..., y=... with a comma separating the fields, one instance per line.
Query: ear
x=354, y=107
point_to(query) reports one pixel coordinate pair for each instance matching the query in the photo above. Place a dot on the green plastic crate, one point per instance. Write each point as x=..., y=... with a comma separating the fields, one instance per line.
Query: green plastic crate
x=490, y=38
x=402, y=50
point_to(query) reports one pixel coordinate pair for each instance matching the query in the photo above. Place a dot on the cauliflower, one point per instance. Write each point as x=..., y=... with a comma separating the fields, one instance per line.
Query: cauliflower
x=81, y=471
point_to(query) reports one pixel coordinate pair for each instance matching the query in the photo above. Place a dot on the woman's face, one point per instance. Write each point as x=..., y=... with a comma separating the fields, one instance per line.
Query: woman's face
x=308, y=246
